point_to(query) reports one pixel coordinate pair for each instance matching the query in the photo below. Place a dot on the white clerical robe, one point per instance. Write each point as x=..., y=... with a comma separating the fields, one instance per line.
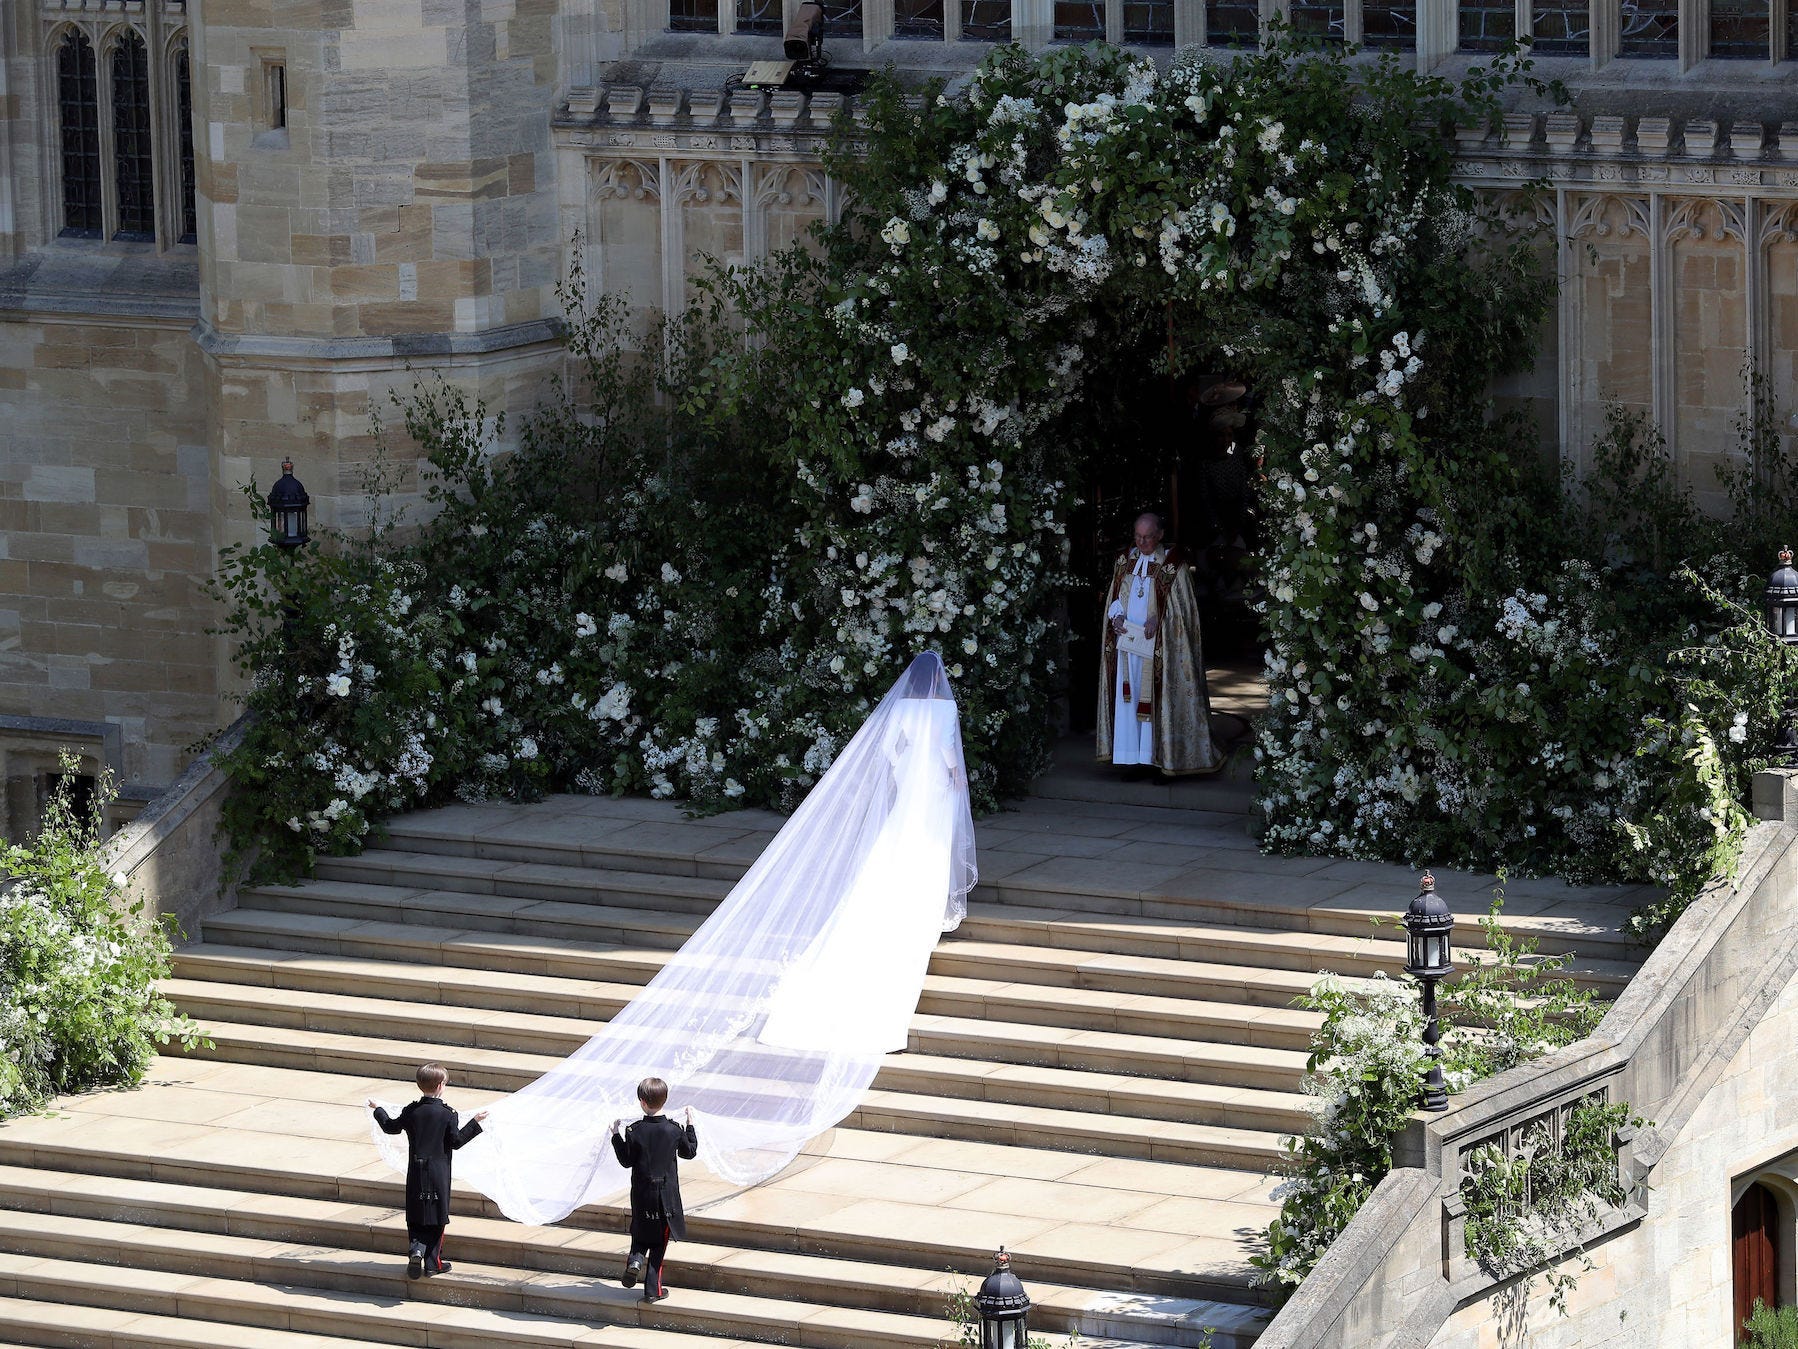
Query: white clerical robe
x=1132, y=740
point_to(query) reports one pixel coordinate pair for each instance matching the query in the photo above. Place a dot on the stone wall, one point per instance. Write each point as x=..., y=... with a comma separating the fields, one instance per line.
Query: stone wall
x=106, y=533
x=1668, y=1281
x=438, y=160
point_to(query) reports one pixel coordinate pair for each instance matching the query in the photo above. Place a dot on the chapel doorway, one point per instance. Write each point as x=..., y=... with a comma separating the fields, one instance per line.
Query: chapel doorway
x=1755, y=1252
x=1183, y=447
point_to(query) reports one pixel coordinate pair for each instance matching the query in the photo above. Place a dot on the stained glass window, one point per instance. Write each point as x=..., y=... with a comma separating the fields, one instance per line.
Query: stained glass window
x=694, y=16
x=133, y=161
x=184, y=115
x=842, y=18
x=1561, y=28
x=1319, y=20
x=1487, y=25
x=986, y=20
x=1149, y=23
x=1232, y=23
x=1389, y=23
x=918, y=18
x=1650, y=28
x=1741, y=29
x=78, y=99
x=1079, y=20
x=759, y=16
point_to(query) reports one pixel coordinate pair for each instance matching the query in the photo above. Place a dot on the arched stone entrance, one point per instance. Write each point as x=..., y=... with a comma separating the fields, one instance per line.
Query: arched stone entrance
x=1182, y=447
x=1758, y=1237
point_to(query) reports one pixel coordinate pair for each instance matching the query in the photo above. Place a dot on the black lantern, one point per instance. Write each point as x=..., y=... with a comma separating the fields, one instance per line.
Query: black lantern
x=1428, y=959
x=287, y=502
x=1782, y=600
x=1003, y=1304
x=1782, y=622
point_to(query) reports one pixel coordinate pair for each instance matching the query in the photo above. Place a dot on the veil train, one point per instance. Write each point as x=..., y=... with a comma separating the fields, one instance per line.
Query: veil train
x=771, y=1021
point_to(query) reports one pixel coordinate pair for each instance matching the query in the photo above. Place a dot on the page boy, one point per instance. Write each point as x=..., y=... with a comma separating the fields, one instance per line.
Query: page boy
x=432, y=1134
x=649, y=1147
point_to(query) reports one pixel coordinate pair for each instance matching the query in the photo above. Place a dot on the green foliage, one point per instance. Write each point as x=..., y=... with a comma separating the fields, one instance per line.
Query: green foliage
x=79, y=964
x=1772, y=1327
x=717, y=543
x=1531, y=1208
x=1511, y=1004
x=1367, y=1064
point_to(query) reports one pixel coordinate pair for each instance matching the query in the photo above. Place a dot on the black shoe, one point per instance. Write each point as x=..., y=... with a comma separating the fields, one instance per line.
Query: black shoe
x=633, y=1270
x=441, y=1267
x=415, y=1261
x=655, y=1297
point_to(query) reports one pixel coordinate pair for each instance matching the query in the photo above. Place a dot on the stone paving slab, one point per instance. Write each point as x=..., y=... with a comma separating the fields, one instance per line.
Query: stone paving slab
x=312, y=1125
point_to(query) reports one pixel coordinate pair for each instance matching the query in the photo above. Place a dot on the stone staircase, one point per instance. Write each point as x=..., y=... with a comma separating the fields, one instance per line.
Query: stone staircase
x=1103, y=1059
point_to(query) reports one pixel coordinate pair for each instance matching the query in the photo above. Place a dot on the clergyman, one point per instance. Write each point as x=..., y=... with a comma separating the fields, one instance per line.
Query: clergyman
x=1152, y=698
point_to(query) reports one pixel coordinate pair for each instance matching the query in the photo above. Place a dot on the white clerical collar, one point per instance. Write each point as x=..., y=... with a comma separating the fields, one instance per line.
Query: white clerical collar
x=1143, y=562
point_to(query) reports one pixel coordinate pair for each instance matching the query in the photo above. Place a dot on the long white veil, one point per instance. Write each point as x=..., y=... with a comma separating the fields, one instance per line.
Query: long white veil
x=770, y=1023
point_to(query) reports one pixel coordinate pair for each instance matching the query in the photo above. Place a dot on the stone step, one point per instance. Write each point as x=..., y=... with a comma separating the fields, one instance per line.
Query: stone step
x=925, y=1204
x=989, y=999
x=59, y=1325
x=1092, y=1131
x=528, y=880
x=255, y=1263
x=632, y=943
x=1377, y=950
x=1263, y=897
x=993, y=960
x=333, y=993
x=1099, y=1051
x=480, y=1306
x=790, y=1277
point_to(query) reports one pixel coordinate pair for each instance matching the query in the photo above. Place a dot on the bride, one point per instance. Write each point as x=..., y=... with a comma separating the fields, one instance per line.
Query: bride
x=872, y=953
x=771, y=1021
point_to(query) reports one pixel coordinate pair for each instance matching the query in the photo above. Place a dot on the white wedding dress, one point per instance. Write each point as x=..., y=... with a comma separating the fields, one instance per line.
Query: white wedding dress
x=873, y=954
x=771, y=1021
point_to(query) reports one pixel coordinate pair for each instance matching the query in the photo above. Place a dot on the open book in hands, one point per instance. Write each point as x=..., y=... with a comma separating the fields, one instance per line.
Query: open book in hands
x=1135, y=642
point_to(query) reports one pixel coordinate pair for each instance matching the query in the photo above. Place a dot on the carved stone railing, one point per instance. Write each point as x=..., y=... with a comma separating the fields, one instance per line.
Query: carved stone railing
x=1400, y=1269
x=1607, y=152
x=171, y=853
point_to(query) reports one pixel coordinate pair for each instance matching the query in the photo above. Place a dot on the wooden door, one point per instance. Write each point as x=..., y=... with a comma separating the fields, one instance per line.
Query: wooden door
x=1755, y=1248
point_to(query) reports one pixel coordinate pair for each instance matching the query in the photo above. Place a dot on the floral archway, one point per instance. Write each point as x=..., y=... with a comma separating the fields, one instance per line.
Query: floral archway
x=698, y=599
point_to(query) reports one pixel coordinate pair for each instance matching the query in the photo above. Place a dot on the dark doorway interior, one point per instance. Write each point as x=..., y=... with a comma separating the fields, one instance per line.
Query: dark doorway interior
x=1755, y=1252
x=1183, y=447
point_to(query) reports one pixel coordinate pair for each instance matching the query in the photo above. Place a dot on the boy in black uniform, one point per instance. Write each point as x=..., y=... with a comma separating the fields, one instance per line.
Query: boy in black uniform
x=432, y=1134
x=649, y=1148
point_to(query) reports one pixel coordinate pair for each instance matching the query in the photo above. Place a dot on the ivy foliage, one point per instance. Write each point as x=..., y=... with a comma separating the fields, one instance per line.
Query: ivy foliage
x=80, y=960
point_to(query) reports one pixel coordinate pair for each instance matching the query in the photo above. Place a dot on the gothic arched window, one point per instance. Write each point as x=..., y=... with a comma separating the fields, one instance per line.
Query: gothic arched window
x=184, y=117
x=78, y=104
x=132, y=153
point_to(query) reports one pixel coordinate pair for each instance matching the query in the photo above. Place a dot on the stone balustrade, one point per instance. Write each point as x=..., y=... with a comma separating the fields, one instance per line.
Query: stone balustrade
x=1399, y=1272
x=172, y=854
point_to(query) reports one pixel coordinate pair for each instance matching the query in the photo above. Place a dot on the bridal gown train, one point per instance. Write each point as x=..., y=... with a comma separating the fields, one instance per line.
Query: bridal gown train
x=873, y=955
x=771, y=1020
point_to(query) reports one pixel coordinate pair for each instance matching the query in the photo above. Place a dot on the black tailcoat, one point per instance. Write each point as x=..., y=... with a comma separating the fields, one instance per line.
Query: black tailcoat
x=649, y=1146
x=432, y=1134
